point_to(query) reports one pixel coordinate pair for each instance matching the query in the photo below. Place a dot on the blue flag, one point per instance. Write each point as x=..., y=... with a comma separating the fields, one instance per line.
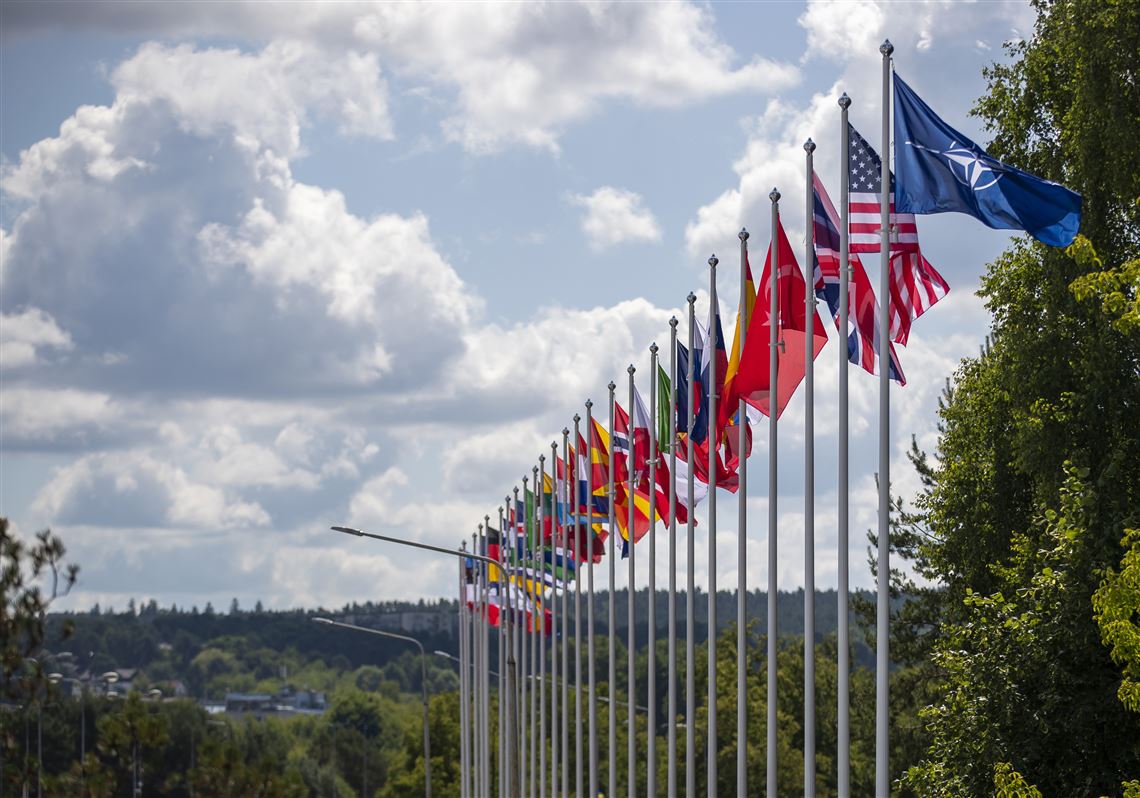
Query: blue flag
x=937, y=169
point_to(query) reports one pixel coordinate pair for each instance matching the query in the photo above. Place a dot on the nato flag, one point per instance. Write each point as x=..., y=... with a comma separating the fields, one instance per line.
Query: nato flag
x=937, y=169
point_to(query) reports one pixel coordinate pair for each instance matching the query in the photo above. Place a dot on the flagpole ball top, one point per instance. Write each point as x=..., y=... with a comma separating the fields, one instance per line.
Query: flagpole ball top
x=589, y=404
x=886, y=48
x=653, y=348
x=577, y=418
x=691, y=297
x=516, y=491
x=844, y=101
x=774, y=195
x=809, y=146
x=612, y=387
x=525, y=478
x=713, y=261
x=631, y=369
x=673, y=322
x=565, y=432
x=743, y=234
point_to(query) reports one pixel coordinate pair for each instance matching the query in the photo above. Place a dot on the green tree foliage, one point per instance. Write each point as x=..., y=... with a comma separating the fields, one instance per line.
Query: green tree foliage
x=1038, y=464
x=1117, y=607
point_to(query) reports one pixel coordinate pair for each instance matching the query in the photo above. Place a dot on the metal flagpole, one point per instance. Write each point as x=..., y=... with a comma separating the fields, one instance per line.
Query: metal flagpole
x=508, y=743
x=519, y=640
x=671, y=733
x=843, y=741
x=524, y=682
x=485, y=662
x=691, y=582
x=593, y=715
x=712, y=444
x=556, y=536
x=481, y=669
x=535, y=730
x=566, y=633
x=611, y=608
x=809, y=484
x=540, y=566
x=651, y=645
x=631, y=611
x=882, y=626
x=504, y=604
x=578, y=785
x=742, y=547
x=477, y=764
x=773, y=535
x=464, y=755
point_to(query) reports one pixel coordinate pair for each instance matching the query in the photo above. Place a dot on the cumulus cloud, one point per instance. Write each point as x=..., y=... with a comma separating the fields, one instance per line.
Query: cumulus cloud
x=518, y=76
x=615, y=215
x=24, y=335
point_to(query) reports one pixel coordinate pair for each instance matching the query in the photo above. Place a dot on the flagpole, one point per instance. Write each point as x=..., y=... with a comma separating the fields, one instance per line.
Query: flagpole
x=882, y=626
x=524, y=683
x=464, y=755
x=578, y=630
x=504, y=611
x=556, y=535
x=477, y=763
x=843, y=741
x=712, y=444
x=486, y=663
x=691, y=582
x=519, y=640
x=809, y=480
x=651, y=660
x=535, y=730
x=510, y=774
x=540, y=569
x=590, y=677
x=742, y=546
x=773, y=413
x=671, y=733
x=566, y=635
x=481, y=672
x=631, y=610
x=612, y=613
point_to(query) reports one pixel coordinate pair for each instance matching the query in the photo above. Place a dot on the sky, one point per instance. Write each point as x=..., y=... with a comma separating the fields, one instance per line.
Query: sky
x=270, y=267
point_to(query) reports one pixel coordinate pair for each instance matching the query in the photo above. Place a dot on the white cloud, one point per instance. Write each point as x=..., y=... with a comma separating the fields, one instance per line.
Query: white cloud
x=38, y=414
x=23, y=335
x=614, y=216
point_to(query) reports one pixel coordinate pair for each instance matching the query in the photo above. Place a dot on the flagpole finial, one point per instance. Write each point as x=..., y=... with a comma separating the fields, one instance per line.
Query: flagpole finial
x=809, y=145
x=844, y=101
x=612, y=387
x=692, y=298
x=541, y=459
x=577, y=418
x=631, y=369
x=516, y=491
x=565, y=432
x=743, y=234
x=713, y=261
x=886, y=48
x=774, y=195
x=653, y=348
x=480, y=530
x=589, y=403
x=673, y=322
x=525, y=478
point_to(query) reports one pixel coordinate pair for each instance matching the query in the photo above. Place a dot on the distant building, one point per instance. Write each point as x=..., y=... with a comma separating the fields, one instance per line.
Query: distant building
x=286, y=703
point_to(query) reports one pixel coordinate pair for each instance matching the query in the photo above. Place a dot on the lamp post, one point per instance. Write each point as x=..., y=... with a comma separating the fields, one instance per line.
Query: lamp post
x=423, y=684
x=511, y=657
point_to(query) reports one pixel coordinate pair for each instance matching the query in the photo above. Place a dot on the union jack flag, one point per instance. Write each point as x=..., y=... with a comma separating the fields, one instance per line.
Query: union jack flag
x=863, y=309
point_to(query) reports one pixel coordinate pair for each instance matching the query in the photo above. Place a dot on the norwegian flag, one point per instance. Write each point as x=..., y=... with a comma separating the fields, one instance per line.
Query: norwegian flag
x=915, y=284
x=863, y=309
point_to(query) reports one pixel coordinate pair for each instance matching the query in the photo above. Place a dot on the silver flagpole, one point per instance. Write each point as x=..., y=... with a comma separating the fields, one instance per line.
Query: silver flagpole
x=481, y=671
x=691, y=582
x=540, y=566
x=519, y=640
x=464, y=756
x=631, y=613
x=566, y=633
x=503, y=612
x=612, y=613
x=712, y=444
x=742, y=547
x=809, y=484
x=671, y=733
x=556, y=536
x=773, y=412
x=524, y=682
x=882, y=626
x=535, y=730
x=476, y=721
x=843, y=741
x=485, y=663
x=510, y=743
x=651, y=646
x=592, y=694
x=578, y=756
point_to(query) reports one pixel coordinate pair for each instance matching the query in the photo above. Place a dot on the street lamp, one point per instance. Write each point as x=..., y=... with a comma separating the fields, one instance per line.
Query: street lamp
x=423, y=684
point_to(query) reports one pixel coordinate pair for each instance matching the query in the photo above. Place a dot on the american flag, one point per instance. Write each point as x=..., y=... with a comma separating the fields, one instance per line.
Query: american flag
x=915, y=284
x=863, y=313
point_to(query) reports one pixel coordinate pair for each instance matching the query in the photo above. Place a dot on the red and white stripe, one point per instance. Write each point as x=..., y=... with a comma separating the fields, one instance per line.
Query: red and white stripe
x=864, y=219
x=915, y=287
